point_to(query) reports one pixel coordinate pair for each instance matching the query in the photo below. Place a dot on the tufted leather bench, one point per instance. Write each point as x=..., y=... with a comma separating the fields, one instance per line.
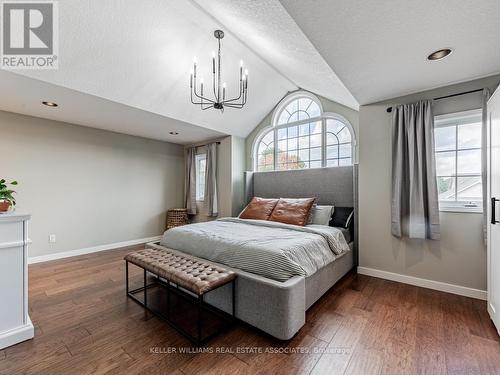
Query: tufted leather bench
x=193, y=274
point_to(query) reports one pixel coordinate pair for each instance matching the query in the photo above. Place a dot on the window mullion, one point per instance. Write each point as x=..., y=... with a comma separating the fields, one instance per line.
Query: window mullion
x=456, y=163
x=323, y=142
x=275, y=136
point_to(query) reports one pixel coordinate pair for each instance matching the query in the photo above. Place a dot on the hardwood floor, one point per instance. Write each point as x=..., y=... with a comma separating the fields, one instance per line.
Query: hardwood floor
x=84, y=324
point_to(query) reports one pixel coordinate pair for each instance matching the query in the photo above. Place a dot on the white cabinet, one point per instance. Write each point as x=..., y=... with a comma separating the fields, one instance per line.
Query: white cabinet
x=15, y=323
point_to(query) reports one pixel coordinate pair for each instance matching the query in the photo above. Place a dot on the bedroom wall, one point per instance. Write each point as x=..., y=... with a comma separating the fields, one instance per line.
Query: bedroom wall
x=459, y=257
x=328, y=106
x=89, y=187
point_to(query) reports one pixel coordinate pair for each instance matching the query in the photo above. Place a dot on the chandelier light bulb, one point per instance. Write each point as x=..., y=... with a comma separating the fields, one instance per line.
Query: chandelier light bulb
x=195, y=60
x=246, y=72
x=241, y=63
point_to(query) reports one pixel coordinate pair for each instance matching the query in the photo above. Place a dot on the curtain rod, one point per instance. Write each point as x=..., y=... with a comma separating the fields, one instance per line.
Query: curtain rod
x=389, y=109
x=206, y=144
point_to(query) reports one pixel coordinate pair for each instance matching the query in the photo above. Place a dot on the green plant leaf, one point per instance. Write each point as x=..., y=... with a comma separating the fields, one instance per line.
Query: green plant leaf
x=13, y=183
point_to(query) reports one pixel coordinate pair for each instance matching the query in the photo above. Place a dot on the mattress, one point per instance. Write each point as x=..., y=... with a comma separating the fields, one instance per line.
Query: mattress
x=273, y=250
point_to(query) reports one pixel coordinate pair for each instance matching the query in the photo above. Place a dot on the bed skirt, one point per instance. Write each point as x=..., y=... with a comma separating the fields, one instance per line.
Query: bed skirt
x=277, y=308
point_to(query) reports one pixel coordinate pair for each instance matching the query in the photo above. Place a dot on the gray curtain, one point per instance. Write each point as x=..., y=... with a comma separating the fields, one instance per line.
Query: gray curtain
x=211, y=202
x=190, y=181
x=415, y=206
x=484, y=162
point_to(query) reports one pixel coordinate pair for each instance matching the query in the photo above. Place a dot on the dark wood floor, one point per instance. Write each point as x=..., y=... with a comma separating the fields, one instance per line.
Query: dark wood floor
x=84, y=324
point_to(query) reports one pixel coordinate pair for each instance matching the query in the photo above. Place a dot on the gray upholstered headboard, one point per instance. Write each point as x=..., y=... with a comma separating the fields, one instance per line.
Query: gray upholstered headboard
x=336, y=185
x=330, y=185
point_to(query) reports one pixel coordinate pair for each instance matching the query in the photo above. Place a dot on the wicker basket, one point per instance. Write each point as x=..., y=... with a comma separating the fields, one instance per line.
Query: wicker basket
x=176, y=217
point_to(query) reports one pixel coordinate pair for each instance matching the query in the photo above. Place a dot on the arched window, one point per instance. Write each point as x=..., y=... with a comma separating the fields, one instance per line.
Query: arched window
x=302, y=136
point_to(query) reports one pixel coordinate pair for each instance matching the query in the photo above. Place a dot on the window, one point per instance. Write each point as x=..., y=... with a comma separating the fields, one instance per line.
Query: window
x=201, y=160
x=302, y=136
x=457, y=139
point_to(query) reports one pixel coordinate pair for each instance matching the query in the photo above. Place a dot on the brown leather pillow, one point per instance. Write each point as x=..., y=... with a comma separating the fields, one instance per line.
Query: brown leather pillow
x=259, y=209
x=293, y=211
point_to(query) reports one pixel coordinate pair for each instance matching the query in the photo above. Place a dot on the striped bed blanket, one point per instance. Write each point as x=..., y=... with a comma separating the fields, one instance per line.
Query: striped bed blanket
x=270, y=249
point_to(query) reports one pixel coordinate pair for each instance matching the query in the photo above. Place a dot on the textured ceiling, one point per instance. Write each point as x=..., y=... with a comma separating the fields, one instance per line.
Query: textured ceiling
x=267, y=28
x=23, y=95
x=140, y=54
x=379, y=48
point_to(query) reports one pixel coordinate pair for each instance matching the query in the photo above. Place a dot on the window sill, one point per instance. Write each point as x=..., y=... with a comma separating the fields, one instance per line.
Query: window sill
x=468, y=210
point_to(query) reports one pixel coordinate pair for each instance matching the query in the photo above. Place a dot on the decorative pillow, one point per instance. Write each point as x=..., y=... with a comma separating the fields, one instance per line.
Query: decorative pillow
x=321, y=215
x=292, y=211
x=258, y=209
x=342, y=217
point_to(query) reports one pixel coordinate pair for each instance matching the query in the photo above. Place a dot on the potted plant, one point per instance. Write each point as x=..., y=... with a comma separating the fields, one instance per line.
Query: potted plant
x=6, y=195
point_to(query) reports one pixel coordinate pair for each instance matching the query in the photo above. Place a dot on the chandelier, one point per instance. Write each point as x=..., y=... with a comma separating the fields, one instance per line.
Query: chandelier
x=218, y=101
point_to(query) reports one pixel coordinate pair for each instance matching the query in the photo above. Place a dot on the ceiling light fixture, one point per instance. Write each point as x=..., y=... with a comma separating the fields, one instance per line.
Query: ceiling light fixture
x=173, y=133
x=219, y=100
x=439, y=54
x=50, y=104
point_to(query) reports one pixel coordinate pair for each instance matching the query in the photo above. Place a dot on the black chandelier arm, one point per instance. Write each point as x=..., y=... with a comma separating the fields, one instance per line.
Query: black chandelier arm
x=213, y=83
x=236, y=105
x=239, y=106
x=201, y=97
x=201, y=102
x=238, y=97
x=242, y=97
x=218, y=73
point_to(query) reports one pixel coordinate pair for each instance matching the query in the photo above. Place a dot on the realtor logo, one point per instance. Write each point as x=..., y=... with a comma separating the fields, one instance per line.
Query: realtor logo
x=29, y=35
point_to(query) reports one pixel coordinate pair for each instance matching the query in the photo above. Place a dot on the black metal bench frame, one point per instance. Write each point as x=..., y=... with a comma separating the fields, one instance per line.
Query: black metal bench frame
x=199, y=301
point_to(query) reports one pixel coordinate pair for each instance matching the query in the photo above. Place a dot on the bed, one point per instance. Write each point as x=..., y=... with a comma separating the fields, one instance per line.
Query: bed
x=282, y=269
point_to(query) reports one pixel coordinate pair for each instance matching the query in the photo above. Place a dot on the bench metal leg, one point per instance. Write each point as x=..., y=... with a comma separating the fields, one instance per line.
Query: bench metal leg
x=199, y=300
x=234, y=298
x=168, y=300
x=200, y=317
x=126, y=276
x=145, y=289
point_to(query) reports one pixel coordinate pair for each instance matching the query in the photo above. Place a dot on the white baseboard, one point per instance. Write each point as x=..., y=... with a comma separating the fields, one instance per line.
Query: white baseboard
x=88, y=250
x=16, y=335
x=425, y=283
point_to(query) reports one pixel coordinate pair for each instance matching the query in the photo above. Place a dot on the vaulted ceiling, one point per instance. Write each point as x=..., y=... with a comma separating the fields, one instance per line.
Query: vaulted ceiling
x=379, y=48
x=124, y=65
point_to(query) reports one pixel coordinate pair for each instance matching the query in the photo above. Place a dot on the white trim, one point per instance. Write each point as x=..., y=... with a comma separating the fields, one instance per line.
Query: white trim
x=17, y=335
x=293, y=96
x=89, y=250
x=461, y=209
x=425, y=283
x=323, y=118
x=457, y=118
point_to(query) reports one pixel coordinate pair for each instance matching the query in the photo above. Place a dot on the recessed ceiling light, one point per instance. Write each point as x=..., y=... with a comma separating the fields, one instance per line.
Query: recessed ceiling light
x=173, y=133
x=50, y=104
x=440, y=54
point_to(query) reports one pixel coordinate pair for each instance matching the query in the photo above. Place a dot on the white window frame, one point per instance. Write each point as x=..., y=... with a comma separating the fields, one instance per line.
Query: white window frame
x=324, y=116
x=200, y=193
x=457, y=119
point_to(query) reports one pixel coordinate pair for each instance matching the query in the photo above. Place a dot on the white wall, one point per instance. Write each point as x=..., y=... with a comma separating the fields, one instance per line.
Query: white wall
x=460, y=256
x=89, y=187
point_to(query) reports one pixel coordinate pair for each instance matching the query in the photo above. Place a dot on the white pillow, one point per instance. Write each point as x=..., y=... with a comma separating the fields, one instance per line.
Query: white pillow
x=321, y=215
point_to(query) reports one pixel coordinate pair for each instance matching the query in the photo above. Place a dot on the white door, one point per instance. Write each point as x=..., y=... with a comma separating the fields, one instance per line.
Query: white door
x=494, y=208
